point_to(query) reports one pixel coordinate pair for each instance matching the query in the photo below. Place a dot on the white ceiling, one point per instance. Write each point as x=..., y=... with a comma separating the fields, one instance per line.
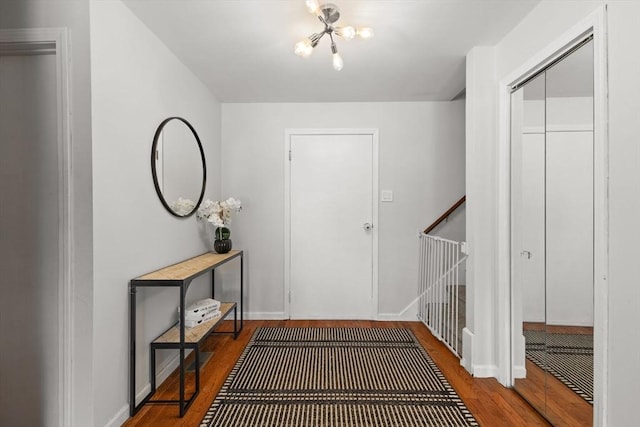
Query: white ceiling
x=243, y=49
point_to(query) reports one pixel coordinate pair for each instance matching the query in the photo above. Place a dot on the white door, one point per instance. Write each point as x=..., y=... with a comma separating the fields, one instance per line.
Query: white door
x=29, y=241
x=331, y=226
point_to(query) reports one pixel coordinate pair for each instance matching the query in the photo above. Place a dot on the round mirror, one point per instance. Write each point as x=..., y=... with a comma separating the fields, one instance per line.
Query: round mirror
x=178, y=166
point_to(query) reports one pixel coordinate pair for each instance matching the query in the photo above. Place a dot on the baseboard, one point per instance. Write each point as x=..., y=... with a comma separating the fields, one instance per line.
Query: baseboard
x=409, y=316
x=325, y=317
x=123, y=414
x=278, y=315
x=485, y=371
x=478, y=371
x=519, y=372
x=467, y=350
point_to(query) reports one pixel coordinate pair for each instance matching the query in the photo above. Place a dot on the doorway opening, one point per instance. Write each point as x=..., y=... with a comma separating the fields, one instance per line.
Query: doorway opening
x=36, y=245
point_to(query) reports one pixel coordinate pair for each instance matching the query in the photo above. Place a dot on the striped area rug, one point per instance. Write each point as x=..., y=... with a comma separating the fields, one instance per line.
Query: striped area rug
x=336, y=377
x=568, y=357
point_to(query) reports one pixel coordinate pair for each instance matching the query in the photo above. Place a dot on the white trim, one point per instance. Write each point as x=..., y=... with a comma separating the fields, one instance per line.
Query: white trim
x=60, y=37
x=288, y=133
x=485, y=371
x=601, y=217
x=407, y=315
x=467, y=350
x=332, y=317
x=119, y=418
x=255, y=315
x=287, y=222
x=595, y=23
x=519, y=372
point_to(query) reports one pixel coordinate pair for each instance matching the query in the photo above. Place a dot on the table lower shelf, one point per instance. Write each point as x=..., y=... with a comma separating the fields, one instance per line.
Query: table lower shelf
x=198, y=333
x=192, y=339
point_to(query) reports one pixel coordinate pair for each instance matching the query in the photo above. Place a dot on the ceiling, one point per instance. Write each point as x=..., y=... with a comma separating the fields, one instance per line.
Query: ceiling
x=243, y=49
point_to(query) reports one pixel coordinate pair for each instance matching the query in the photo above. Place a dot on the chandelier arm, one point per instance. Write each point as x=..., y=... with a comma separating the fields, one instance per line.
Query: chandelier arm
x=315, y=38
x=334, y=48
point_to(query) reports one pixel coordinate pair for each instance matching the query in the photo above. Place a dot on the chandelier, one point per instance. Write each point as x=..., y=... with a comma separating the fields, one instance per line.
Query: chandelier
x=328, y=14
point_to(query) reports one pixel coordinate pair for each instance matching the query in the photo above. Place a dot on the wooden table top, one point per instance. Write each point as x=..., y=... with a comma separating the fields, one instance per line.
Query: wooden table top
x=189, y=268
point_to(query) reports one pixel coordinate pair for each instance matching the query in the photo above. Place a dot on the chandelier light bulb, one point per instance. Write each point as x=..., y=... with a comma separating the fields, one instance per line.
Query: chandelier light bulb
x=347, y=32
x=338, y=63
x=365, y=32
x=313, y=6
x=303, y=48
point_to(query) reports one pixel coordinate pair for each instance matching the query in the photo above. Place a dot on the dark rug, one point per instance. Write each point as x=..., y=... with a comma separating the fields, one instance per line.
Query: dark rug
x=568, y=357
x=336, y=377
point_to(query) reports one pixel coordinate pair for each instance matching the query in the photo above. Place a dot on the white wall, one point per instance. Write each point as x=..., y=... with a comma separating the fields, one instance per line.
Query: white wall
x=421, y=161
x=478, y=345
x=548, y=21
x=74, y=15
x=544, y=24
x=136, y=83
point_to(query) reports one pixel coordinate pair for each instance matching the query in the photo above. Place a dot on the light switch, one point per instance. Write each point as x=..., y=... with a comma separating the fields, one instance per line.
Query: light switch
x=387, y=196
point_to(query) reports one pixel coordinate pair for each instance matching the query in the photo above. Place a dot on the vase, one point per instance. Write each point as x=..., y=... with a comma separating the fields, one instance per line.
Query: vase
x=222, y=246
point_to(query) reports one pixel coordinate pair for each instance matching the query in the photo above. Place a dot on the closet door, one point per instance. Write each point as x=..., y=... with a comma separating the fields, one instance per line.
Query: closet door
x=552, y=246
x=529, y=244
x=569, y=238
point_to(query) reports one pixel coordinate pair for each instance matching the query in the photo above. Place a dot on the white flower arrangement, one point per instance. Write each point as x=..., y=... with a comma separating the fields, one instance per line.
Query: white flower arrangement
x=219, y=214
x=182, y=206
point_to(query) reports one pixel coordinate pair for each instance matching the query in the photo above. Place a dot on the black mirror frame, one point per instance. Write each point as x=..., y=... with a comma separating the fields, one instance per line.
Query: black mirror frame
x=154, y=172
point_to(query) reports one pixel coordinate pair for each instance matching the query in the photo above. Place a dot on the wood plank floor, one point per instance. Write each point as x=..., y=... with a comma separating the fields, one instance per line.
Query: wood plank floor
x=491, y=404
x=545, y=392
x=562, y=405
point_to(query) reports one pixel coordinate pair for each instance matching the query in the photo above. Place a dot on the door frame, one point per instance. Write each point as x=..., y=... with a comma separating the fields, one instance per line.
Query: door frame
x=35, y=41
x=594, y=24
x=288, y=133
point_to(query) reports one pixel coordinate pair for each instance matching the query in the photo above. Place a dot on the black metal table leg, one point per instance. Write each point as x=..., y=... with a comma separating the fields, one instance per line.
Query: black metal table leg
x=213, y=283
x=153, y=369
x=197, y=370
x=132, y=349
x=235, y=322
x=182, y=373
x=241, y=289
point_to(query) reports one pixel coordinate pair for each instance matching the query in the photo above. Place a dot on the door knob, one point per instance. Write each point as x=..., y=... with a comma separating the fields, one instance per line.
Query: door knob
x=526, y=253
x=368, y=226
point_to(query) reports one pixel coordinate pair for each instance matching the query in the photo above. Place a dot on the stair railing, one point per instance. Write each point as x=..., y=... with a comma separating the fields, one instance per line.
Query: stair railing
x=445, y=215
x=439, y=289
x=440, y=280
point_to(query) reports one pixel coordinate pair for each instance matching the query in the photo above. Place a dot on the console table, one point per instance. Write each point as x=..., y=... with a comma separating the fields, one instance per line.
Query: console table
x=180, y=275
